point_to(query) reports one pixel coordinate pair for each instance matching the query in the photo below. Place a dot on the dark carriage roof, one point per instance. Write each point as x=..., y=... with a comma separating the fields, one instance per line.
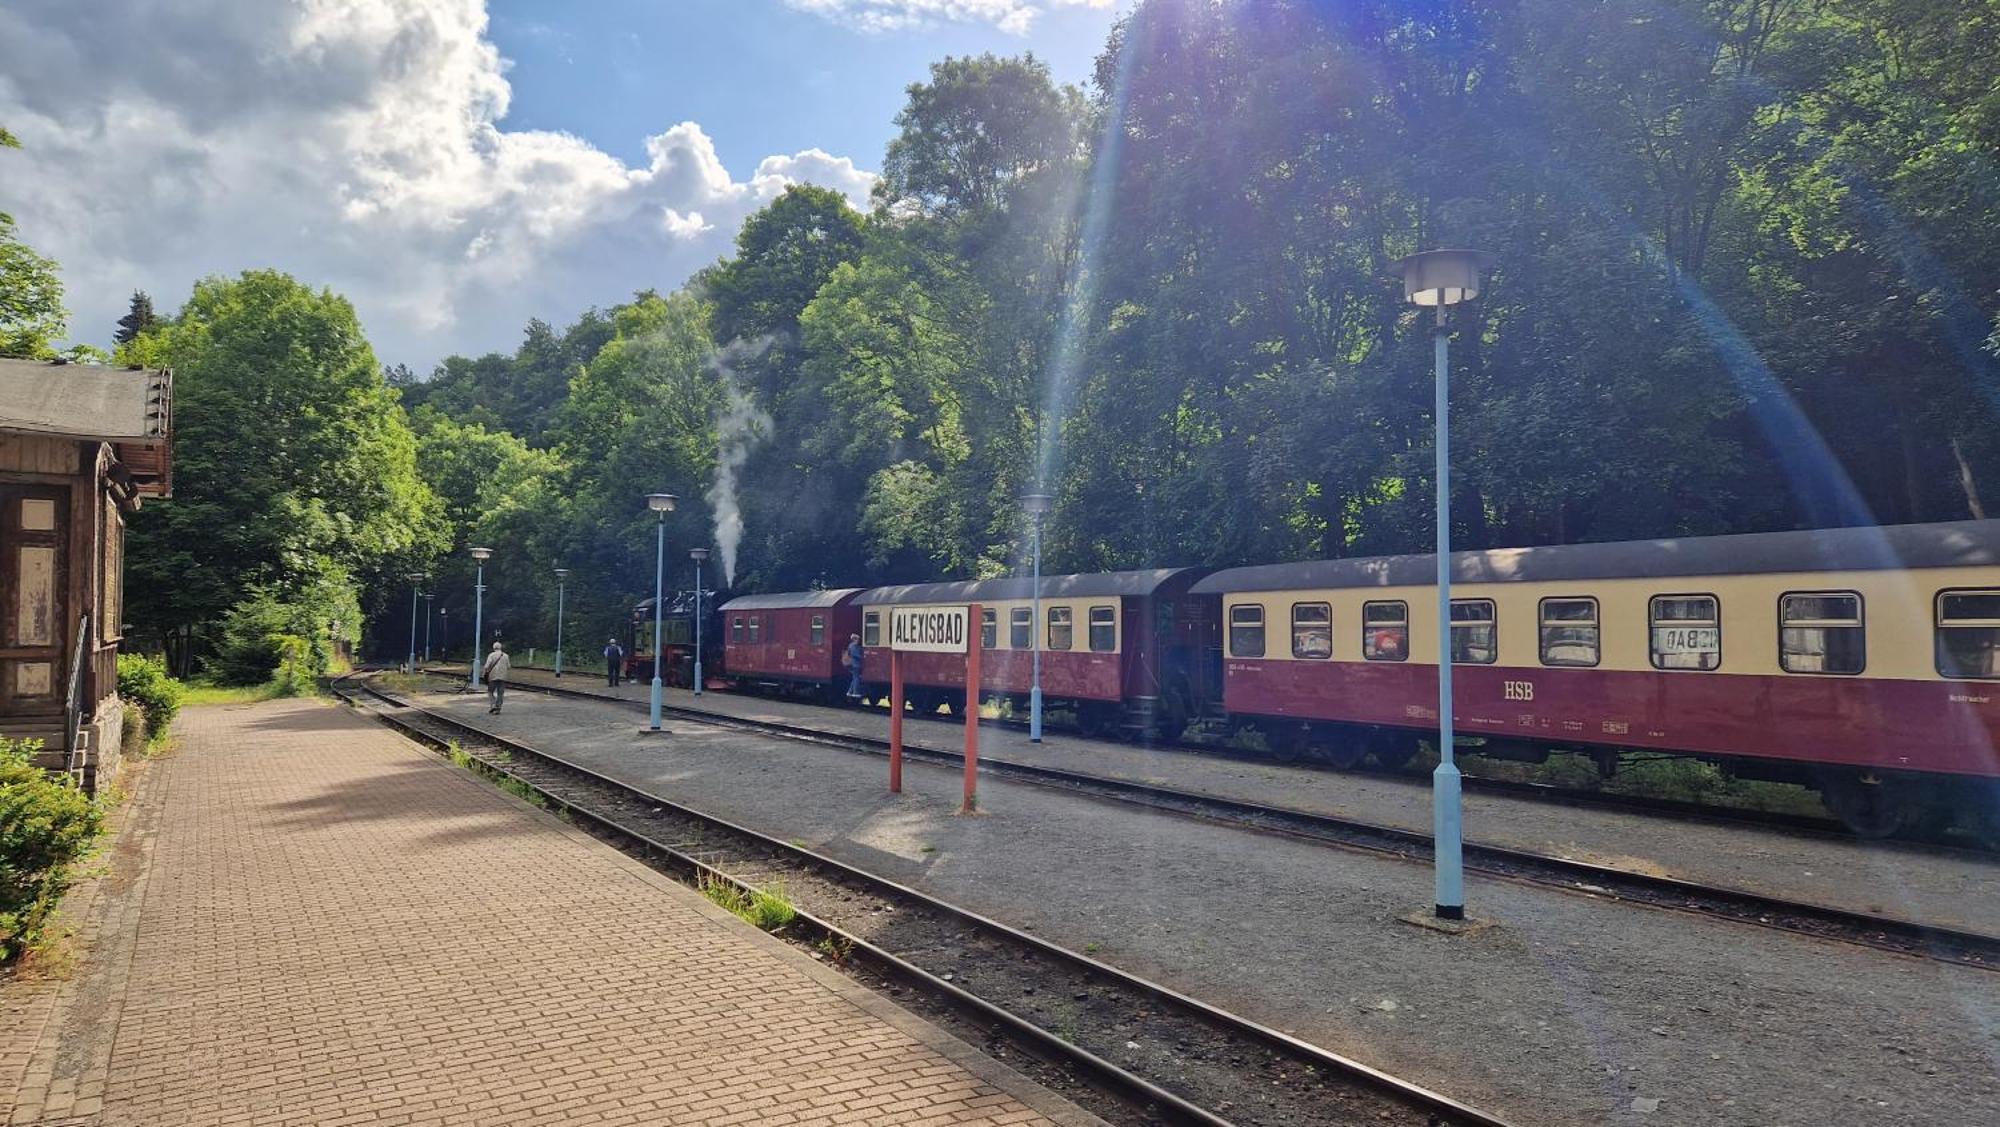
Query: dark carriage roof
x=792, y=600
x=1112, y=584
x=1952, y=544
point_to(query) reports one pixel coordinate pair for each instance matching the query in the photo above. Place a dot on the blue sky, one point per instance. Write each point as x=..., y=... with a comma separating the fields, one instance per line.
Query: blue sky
x=361, y=145
x=761, y=77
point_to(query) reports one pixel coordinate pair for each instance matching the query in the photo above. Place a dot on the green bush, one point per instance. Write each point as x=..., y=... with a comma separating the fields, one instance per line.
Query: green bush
x=47, y=825
x=144, y=681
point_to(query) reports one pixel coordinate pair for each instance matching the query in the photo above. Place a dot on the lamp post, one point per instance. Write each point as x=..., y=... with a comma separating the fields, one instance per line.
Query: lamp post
x=697, y=555
x=1443, y=278
x=661, y=504
x=444, y=646
x=428, y=596
x=1036, y=505
x=416, y=580
x=562, y=578
x=478, y=608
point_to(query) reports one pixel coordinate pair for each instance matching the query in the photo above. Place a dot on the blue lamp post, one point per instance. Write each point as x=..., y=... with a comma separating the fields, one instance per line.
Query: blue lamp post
x=1036, y=505
x=697, y=555
x=478, y=608
x=1443, y=278
x=562, y=578
x=661, y=504
x=428, y=596
x=416, y=586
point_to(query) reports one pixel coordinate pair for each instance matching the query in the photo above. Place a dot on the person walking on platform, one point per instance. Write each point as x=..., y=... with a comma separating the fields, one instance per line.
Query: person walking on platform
x=614, y=661
x=852, y=660
x=496, y=669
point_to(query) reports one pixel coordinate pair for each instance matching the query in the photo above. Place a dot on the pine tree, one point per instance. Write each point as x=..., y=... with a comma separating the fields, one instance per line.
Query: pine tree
x=137, y=320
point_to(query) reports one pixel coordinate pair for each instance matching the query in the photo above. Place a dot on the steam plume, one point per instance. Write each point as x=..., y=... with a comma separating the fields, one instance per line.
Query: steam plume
x=739, y=426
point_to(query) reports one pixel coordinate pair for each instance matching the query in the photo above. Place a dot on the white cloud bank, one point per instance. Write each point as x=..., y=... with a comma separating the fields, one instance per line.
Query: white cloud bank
x=1012, y=16
x=354, y=143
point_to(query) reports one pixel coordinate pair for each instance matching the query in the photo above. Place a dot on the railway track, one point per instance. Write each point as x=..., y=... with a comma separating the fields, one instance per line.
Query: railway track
x=1157, y=1055
x=1906, y=937
x=1801, y=825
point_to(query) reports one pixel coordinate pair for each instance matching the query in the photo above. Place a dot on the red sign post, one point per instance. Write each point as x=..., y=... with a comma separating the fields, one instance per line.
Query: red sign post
x=943, y=630
x=972, y=647
x=895, y=721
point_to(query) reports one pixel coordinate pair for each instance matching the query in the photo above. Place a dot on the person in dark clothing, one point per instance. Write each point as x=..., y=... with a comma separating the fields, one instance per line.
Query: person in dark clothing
x=852, y=660
x=614, y=661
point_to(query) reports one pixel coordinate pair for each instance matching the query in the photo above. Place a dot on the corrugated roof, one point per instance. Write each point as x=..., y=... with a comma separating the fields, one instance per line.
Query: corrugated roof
x=1948, y=544
x=1117, y=584
x=86, y=401
x=790, y=600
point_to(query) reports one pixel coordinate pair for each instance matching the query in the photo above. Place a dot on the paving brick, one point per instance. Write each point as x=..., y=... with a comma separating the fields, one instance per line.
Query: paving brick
x=328, y=925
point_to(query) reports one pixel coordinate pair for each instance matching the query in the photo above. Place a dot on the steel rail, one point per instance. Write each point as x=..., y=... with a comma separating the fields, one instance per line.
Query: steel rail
x=1843, y=925
x=1444, y=1109
x=1800, y=825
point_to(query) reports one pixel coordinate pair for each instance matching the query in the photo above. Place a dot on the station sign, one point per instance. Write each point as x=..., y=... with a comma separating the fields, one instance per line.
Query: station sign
x=937, y=630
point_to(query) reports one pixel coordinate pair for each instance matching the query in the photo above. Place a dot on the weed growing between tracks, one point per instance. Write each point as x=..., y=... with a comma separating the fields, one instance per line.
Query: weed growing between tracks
x=515, y=787
x=766, y=909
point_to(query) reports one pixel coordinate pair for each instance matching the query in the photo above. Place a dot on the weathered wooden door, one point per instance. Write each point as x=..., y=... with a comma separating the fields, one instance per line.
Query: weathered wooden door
x=34, y=581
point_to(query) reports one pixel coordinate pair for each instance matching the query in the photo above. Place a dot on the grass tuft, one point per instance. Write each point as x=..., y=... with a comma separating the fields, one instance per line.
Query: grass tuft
x=765, y=909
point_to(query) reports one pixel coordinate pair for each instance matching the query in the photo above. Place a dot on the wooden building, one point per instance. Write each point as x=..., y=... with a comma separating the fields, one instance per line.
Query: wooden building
x=80, y=447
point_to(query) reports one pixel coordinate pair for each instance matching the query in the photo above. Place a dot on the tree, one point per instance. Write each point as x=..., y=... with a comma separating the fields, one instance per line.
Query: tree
x=32, y=316
x=138, y=319
x=295, y=470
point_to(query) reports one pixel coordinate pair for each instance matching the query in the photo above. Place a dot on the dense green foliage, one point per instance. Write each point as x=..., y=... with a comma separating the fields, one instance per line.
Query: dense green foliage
x=47, y=825
x=143, y=680
x=295, y=478
x=1747, y=271
x=1747, y=255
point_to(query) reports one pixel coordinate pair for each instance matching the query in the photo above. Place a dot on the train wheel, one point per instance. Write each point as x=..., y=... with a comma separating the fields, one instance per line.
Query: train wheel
x=1871, y=808
x=1336, y=752
x=1393, y=752
x=1092, y=720
x=1287, y=743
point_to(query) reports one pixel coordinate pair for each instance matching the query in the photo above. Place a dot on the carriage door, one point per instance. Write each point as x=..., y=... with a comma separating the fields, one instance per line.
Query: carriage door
x=33, y=522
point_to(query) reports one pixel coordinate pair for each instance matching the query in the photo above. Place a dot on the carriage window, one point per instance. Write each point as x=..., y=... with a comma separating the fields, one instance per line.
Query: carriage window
x=1821, y=633
x=1062, y=627
x=1687, y=632
x=1475, y=640
x=1312, y=630
x=1021, y=627
x=1385, y=631
x=1103, y=629
x=756, y=628
x=989, y=628
x=1569, y=632
x=1246, y=631
x=736, y=628
x=818, y=637
x=1968, y=634
x=871, y=628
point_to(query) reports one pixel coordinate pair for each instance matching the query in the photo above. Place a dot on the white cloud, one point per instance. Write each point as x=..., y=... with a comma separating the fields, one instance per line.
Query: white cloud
x=1012, y=16
x=355, y=143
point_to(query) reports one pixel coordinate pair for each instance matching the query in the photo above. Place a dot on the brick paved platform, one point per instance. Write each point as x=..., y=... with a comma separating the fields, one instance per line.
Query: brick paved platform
x=308, y=920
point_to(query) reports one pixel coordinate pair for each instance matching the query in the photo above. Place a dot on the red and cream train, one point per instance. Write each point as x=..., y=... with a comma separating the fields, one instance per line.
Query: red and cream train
x=1862, y=661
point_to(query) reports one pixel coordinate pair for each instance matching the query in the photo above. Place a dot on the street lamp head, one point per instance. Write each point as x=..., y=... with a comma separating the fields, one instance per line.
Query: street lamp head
x=697, y=554
x=661, y=502
x=482, y=554
x=1442, y=277
x=562, y=573
x=416, y=577
x=1035, y=504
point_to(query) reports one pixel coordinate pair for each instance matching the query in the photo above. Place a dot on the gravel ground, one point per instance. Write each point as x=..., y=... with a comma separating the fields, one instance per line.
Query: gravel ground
x=1570, y=1011
x=1952, y=888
